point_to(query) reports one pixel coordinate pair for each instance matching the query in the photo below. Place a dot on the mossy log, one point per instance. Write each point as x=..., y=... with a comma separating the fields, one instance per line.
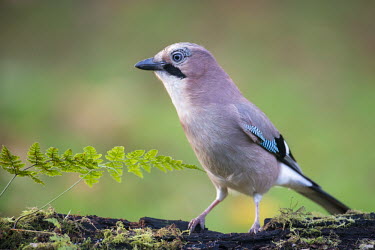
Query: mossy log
x=47, y=230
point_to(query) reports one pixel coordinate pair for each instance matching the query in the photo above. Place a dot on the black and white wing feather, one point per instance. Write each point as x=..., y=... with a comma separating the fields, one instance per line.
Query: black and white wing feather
x=260, y=129
x=256, y=125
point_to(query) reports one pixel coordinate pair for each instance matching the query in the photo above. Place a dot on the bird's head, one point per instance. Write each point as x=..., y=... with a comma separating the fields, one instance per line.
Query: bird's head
x=179, y=61
x=190, y=74
x=182, y=68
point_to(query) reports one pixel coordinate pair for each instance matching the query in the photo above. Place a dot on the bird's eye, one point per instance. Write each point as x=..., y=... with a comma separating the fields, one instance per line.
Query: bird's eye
x=177, y=56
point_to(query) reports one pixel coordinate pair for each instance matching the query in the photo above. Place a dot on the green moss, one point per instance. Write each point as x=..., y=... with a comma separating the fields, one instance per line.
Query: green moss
x=40, y=229
x=306, y=230
x=330, y=241
x=142, y=238
x=295, y=240
x=34, y=219
x=115, y=236
x=365, y=215
x=366, y=244
x=290, y=219
x=60, y=242
x=28, y=228
x=47, y=230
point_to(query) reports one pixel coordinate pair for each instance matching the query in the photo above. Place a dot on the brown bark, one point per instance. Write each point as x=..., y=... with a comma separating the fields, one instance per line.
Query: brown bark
x=339, y=234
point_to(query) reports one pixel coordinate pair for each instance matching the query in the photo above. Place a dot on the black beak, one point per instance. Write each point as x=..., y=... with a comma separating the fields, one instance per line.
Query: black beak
x=149, y=64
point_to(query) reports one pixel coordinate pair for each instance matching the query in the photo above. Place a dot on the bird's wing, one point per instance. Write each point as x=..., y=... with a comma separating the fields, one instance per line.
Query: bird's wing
x=260, y=129
x=255, y=124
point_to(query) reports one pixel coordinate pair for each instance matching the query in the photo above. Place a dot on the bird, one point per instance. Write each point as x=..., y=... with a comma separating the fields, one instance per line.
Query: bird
x=235, y=142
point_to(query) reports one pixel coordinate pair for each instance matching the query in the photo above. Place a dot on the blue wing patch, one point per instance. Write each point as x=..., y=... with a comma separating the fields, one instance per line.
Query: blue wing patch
x=269, y=145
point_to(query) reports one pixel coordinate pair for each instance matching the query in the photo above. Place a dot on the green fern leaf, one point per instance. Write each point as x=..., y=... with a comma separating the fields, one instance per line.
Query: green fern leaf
x=134, y=161
x=68, y=164
x=35, y=156
x=135, y=170
x=92, y=177
x=116, y=158
x=88, y=163
x=68, y=156
x=36, y=179
x=136, y=154
x=151, y=154
x=165, y=162
x=53, y=156
x=79, y=159
x=168, y=166
x=175, y=164
x=92, y=154
x=160, y=166
x=83, y=160
x=115, y=171
x=12, y=164
x=116, y=154
x=192, y=167
x=9, y=162
x=146, y=166
x=38, y=161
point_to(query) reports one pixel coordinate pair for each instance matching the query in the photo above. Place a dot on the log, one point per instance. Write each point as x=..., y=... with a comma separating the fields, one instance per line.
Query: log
x=290, y=230
x=347, y=232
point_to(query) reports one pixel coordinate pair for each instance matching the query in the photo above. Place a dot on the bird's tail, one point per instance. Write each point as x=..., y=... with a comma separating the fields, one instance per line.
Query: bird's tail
x=318, y=195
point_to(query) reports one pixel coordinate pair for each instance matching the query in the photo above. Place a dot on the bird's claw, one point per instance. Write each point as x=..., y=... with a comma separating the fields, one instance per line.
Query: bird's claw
x=255, y=228
x=194, y=222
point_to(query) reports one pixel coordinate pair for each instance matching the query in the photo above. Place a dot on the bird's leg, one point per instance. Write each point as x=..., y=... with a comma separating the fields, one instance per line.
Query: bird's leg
x=221, y=193
x=201, y=218
x=255, y=228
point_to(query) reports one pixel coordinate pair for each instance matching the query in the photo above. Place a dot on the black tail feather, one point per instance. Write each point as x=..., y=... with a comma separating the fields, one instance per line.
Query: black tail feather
x=318, y=195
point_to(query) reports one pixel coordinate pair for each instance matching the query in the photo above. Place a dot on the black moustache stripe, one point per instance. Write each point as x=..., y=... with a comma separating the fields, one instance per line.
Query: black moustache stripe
x=172, y=70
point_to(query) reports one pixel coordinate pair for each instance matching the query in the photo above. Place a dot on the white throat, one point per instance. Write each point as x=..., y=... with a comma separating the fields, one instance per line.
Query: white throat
x=176, y=90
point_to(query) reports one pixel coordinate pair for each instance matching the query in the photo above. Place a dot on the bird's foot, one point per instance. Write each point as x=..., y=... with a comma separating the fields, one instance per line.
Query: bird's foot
x=255, y=228
x=194, y=222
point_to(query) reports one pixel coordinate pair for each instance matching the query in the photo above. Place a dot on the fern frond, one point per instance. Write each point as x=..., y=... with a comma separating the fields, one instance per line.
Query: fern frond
x=135, y=169
x=139, y=159
x=35, y=156
x=136, y=154
x=151, y=154
x=92, y=155
x=9, y=162
x=39, y=161
x=134, y=160
x=68, y=164
x=116, y=154
x=53, y=156
x=165, y=163
x=92, y=176
x=115, y=163
x=33, y=176
x=190, y=166
x=89, y=164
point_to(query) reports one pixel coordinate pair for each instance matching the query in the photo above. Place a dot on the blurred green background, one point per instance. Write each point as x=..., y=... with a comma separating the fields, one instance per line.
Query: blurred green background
x=67, y=80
